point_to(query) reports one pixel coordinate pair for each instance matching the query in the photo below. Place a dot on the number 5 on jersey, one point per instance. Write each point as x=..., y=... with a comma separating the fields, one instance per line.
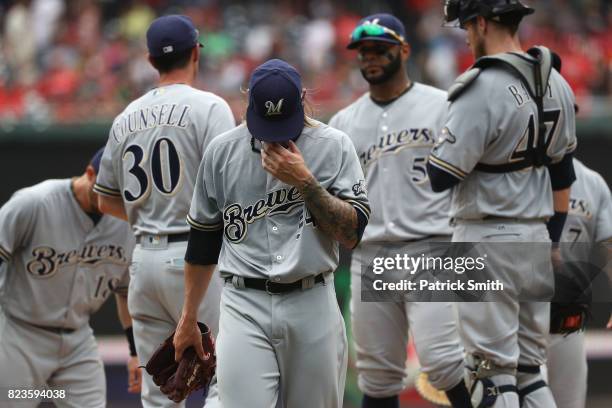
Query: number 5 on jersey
x=164, y=169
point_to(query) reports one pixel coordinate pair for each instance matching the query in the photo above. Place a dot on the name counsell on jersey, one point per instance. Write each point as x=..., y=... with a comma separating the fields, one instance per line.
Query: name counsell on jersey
x=166, y=114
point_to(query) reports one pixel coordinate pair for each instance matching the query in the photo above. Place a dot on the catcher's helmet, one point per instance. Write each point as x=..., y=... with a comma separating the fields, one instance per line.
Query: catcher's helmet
x=503, y=11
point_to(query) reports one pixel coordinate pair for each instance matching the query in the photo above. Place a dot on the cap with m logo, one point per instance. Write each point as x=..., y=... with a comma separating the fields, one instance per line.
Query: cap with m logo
x=274, y=109
x=275, y=112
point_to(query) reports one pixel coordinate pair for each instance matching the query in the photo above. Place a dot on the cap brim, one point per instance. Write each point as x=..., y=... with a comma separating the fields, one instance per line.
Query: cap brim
x=275, y=131
x=354, y=44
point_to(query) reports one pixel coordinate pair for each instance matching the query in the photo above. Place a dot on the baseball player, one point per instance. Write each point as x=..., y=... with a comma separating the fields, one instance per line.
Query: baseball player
x=507, y=150
x=60, y=259
x=147, y=176
x=589, y=220
x=273, y=199
x=393, y=128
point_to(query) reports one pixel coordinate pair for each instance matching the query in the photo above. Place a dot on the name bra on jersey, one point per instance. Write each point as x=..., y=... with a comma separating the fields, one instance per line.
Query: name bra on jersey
x=172, y=115
x=396, y=141
x=47, y=260
x=236, y=218
x=580, y=207
x=521, y=96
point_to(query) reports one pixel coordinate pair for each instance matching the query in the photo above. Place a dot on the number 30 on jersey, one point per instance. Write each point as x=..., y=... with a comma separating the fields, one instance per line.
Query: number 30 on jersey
x=163, y=171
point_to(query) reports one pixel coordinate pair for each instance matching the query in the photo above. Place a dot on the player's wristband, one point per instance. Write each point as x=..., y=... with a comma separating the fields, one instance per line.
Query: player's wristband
x=555, y=225
x=362, y=222
x=129, y=334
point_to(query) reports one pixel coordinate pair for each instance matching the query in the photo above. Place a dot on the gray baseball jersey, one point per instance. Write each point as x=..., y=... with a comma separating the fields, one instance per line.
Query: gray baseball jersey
x=151, y=160
x=393, y=142
x=153, y=152
x=59, y=266
x=268, y=232
x=589, y=220
x=589, y=217
x=495, y=122
x=479, y=131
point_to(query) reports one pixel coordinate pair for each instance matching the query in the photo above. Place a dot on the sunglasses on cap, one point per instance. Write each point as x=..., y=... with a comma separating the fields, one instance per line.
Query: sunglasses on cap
x=369, y=29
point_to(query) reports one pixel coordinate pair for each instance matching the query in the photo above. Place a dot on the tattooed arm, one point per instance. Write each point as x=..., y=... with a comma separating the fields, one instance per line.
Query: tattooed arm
x=335, y=217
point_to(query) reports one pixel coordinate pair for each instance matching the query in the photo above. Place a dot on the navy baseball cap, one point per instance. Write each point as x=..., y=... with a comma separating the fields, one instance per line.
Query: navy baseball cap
x=95, y=160
x=275, y=112
x=171, y=34
x=378, y=27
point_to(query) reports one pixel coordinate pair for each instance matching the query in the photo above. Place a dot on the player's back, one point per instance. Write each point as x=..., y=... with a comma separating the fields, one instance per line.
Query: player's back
x=157, y=144
x=393, y=141
x=495, y=124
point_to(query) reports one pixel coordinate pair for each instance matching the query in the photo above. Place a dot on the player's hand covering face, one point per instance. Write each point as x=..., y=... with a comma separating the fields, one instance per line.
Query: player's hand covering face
x=286, y=164
x=378, y=61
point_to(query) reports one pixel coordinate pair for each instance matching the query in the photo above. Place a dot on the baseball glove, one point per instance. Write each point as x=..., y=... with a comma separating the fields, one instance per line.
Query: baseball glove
x=179, y=379
x=566, y=318
x=429, y=393
x=570, y=307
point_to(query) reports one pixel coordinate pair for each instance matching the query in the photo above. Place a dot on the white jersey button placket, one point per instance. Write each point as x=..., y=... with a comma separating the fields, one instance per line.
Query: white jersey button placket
x=383, y=128
x=278, y=259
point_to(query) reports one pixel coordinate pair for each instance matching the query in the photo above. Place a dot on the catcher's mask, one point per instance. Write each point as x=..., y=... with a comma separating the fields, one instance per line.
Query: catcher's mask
x=459, y=12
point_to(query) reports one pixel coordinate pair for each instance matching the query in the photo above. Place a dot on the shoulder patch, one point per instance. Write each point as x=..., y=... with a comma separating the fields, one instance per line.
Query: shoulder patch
x=462, y=83
x=359, y=188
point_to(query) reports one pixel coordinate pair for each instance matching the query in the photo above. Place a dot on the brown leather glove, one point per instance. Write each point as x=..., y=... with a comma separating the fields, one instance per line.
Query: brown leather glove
x=179, y=379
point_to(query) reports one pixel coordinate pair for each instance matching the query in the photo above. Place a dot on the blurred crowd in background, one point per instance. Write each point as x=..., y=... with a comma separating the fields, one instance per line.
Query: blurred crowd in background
x=76, y=61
